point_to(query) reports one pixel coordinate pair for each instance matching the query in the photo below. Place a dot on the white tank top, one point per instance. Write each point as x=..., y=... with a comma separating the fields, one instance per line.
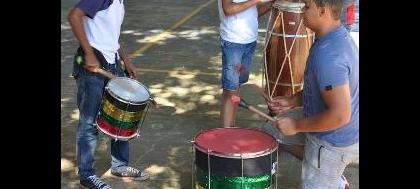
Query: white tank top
x=239, y=28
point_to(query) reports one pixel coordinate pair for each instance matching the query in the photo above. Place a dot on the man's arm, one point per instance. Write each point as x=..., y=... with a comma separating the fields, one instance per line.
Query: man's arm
x=230, y=8
x=129, y=67
x=264, y=8
x=336, y=115
x=75, y=19
x=123, y=55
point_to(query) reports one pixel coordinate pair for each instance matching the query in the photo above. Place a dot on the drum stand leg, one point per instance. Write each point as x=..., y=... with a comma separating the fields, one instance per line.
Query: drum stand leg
x=208, y=167
x=192, y=165
x=242, y=172
x=142, y=120
x=277, y=165
x=271, y=168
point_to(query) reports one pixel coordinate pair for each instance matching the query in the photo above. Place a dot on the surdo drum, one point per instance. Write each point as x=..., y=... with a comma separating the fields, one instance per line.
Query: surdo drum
x=234, y=158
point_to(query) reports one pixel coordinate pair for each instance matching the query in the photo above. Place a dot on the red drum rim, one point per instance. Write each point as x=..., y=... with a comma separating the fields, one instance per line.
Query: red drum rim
x=244, y=143
x=100, y=122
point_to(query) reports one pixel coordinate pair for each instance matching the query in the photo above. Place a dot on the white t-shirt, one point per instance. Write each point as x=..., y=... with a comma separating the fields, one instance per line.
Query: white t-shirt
x=103, y=25
x=239, y=28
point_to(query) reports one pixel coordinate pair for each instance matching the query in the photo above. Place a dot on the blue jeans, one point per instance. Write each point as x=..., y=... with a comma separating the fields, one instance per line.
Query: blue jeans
x=236, y=62
x=90, y=87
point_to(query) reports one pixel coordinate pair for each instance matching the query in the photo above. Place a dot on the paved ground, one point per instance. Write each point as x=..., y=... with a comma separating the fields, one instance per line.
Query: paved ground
x=182, y=71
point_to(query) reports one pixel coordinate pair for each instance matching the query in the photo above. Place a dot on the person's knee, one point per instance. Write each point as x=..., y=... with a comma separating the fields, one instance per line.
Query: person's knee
x=87, y=131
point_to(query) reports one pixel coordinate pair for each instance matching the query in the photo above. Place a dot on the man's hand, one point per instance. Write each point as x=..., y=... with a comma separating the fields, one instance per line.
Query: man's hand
x=131, y=69
x=91, y=63
x=280, y=104
x=286, y=125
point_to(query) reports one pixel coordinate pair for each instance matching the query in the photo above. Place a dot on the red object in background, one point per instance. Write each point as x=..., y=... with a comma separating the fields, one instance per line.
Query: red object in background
x=350, y=14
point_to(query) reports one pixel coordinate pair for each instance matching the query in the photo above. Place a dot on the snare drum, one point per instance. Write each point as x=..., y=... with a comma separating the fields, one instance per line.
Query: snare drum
x=122, y=108
x=234, y=158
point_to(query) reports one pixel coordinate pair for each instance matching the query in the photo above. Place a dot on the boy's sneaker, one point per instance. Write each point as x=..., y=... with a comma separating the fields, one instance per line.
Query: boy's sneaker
x=343, y=183
x=126, y=171
x=93, y=182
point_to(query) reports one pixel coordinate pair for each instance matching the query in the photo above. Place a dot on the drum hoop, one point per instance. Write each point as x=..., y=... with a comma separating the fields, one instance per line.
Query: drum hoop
x=287, y=84
x=286, y=7
x=122, y=138
x=127, y=101
x=234, y=155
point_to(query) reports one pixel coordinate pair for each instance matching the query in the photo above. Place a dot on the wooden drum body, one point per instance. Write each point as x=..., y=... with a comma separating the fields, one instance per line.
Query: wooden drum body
x=286, y=49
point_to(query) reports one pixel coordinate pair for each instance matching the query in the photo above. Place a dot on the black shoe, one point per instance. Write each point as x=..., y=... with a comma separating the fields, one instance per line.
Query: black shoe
x=93, y=182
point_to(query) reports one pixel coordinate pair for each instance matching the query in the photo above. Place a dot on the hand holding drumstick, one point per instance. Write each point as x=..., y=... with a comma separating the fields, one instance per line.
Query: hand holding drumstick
x=285, y=124
x=239, y=101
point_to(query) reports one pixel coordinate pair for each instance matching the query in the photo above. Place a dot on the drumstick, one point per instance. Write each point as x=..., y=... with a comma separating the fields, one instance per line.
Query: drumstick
x=105, y=73
x=243, y=104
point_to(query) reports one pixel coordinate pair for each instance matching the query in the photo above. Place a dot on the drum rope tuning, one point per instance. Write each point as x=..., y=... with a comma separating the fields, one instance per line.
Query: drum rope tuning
x=285, y=32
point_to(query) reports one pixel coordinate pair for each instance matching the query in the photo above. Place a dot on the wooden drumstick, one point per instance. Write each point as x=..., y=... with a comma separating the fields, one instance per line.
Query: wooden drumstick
x=244, y=104
x=105, y=73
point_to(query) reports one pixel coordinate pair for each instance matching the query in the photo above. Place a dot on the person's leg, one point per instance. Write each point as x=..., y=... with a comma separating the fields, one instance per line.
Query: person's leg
x=90, y=88
x=89, y=95
x=246, y=62
x=323, y=165
x=231, y=64
x=228, y=109
x=120, y=149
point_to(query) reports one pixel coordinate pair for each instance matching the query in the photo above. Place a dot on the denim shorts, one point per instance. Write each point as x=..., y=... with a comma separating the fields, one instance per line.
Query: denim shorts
x=236, y=62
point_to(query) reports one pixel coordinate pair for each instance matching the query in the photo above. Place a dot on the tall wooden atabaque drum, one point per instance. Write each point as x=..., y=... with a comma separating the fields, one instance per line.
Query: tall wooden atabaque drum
x=287, y=45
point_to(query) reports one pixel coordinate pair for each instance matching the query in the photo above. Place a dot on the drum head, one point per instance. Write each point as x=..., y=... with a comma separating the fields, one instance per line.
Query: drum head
x=236, y=142
x=127, y=89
